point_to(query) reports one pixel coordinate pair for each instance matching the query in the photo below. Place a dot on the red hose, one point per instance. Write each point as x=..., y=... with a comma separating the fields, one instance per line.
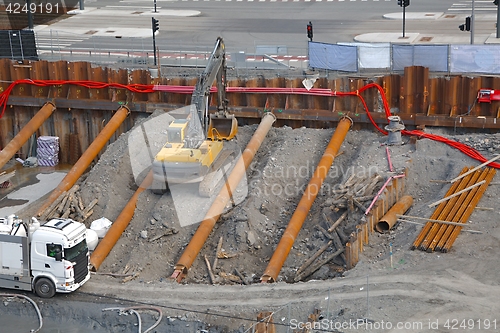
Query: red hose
x=146, y=88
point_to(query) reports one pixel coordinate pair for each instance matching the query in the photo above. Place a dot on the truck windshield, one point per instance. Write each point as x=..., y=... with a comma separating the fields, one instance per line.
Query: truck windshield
x=73, y=252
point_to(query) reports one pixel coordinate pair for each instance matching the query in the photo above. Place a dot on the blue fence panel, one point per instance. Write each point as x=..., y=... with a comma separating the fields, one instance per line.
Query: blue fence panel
x=333, y=57
x=475, y=59
x=402, y=56
x=373, y=55
x=435, y=57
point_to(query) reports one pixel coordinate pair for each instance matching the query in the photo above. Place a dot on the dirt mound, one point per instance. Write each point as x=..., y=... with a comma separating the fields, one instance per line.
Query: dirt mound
x=276, y=180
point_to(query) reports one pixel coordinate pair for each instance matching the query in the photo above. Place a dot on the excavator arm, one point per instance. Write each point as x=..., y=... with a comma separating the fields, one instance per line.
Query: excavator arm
x=200, y=124
x=195, y=150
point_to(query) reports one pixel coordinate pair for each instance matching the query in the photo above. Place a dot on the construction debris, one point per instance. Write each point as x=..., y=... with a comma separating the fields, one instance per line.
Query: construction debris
x=69, y=205
x=5, y=178
x=356, y=190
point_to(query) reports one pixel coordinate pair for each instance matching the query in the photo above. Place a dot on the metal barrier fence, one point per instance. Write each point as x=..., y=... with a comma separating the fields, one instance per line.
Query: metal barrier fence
x=56, y=45
x=451, y=58
x=136, y=52
x=18, y=45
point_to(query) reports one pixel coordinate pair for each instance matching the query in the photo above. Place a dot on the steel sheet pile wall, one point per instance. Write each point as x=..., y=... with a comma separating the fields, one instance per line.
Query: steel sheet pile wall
x=390, y=195
x=81, y=112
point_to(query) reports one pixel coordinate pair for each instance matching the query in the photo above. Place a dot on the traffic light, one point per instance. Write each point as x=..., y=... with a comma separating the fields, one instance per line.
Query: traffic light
x=466, y=26
x=310, y=31
x=403, y=3
x=495, y=2
x=400, y=3
x=156, y=25
x=406, y=3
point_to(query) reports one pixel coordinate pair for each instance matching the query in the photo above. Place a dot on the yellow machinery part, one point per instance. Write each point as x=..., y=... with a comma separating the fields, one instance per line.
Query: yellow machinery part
x=205, y=155
x=222, y=128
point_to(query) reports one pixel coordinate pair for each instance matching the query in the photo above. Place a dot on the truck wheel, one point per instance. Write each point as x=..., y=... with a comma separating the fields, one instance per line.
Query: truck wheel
x=45, y=288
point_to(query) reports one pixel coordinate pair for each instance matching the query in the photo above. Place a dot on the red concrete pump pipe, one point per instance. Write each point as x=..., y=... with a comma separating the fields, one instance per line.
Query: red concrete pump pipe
x=115, y=231
x=20, y=139
x=305, y=203
x=214, y=212
x=88, y=156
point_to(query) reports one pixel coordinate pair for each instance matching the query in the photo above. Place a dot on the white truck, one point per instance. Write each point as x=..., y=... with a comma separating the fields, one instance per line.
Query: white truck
x=46, y=259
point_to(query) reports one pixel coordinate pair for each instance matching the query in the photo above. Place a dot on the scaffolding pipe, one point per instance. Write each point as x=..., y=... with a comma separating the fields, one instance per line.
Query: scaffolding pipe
x=118, y=227
x=391, y=217
x=87, y=157
x=305, y=203
x=25, y=133
x=214, y=212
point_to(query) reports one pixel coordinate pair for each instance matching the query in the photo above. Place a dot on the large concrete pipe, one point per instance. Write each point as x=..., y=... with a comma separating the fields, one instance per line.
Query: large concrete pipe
x=115, y=231
x=27, y=131
x=305, y=203
x=214, y=212
x=88, y=156
x=390, y=218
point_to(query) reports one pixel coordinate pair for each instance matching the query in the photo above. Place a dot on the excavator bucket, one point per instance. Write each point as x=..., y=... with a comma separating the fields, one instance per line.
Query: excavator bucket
x=222, y=127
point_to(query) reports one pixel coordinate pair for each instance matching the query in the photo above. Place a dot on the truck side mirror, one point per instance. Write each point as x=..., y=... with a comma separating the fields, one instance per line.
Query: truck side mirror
x=58, y=256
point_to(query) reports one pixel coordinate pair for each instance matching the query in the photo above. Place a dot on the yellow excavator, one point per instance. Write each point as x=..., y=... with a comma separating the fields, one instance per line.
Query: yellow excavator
x=198, y=146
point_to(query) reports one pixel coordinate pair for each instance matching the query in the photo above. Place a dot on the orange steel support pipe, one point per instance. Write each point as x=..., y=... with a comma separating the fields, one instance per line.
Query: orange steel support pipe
x=214, y=212
x=20, y=139
x=305, y=203
x=88, y=156
x=115, y=231
x=389, y=219
x=437, y=213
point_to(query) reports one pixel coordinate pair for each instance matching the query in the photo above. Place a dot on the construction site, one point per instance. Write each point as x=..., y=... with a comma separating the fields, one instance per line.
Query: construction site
x=348, y=203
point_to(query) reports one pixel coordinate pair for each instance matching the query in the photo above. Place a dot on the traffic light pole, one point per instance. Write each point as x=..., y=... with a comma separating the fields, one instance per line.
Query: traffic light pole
x=472, y=20
x=404, y=19
x=155, y=26
x=30, y=15
x=154, y=48
x=498, y=21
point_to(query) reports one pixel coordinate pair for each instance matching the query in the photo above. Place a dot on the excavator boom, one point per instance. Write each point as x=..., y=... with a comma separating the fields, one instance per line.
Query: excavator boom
x=202, y=125
x=197, y=144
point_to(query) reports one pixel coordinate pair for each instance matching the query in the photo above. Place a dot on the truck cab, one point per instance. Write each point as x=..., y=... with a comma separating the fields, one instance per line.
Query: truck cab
x=53, y=258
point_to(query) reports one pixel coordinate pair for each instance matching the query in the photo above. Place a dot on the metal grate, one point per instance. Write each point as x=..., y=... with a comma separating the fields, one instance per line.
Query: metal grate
x=18, y=45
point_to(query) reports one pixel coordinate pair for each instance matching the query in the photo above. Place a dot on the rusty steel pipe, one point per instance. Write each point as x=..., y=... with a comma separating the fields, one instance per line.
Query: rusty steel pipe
x=390, y=218
x=214, y=212
x=87, y=157
x=437, y=213
x=115, y=231
x=26, y=132
x=305, y=203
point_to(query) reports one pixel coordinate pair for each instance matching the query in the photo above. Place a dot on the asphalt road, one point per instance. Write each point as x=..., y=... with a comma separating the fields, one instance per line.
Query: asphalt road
x=247, y=25
x=118, y=28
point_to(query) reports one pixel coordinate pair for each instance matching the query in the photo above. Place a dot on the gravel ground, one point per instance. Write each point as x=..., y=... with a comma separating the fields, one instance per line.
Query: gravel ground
x=420, y=287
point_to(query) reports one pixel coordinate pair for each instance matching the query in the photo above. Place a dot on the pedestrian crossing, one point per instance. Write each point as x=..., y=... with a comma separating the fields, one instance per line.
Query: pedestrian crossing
x=480, y=6
x=53, y=40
